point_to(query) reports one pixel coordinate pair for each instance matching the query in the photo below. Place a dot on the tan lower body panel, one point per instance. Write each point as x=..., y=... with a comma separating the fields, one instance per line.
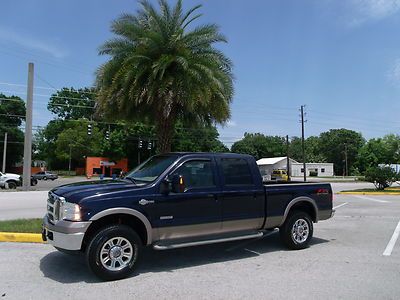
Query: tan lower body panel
x=187, y=231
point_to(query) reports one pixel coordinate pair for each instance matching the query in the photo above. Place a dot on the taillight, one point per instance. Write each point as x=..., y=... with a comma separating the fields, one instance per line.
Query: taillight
x=322, y=191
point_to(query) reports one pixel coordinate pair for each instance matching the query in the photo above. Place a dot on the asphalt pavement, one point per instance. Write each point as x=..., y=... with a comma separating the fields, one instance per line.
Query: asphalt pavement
x=345, y=261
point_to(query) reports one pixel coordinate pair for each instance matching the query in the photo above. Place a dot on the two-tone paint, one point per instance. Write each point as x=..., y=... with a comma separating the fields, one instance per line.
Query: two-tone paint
x=216, y=210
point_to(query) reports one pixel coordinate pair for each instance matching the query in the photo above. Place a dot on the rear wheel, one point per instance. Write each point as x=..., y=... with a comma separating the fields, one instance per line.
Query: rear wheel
x=113, y=252
x=297, y=230
x=44, y=178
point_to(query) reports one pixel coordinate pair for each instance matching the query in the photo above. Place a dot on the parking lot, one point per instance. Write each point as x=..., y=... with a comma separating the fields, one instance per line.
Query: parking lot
x=345, y=261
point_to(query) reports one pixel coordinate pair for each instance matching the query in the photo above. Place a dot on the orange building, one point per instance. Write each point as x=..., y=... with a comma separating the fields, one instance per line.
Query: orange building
x=96, y=166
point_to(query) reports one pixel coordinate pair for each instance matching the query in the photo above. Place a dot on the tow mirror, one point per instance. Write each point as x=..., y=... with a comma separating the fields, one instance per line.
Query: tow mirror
x=165, y=187
x=178, y=184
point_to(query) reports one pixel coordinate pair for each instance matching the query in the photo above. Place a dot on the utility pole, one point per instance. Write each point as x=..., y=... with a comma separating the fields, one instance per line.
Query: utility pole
x=26, y=177
x=345, y=159
x=69, y=164
x=302, y=143
x=4, y=153
x=287, y=158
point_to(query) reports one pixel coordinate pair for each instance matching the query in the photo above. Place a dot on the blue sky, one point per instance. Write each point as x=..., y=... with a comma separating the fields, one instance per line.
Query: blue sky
x=339, y=58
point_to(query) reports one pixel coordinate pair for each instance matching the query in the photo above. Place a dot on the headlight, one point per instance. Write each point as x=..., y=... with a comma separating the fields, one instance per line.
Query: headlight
x=69, y=211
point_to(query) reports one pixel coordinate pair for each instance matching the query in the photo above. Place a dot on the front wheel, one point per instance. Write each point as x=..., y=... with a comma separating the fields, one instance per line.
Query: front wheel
x=12, y=185
x=113, y=252
x=297, y=230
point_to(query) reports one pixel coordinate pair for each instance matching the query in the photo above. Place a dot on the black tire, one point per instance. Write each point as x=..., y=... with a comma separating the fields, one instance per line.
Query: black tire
x=105, y=235
x=34, y=182
x=44, y=178
x=12, y=185
x=287, y=234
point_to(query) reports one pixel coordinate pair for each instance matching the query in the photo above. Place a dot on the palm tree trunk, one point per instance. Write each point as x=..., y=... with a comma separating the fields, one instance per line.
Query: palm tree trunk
x=165, y=132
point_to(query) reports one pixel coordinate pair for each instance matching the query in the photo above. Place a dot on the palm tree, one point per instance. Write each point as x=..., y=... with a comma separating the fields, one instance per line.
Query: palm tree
x=163, y=69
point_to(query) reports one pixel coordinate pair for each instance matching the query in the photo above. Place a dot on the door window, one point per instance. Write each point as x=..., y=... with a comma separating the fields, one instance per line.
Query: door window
x=196, y=174
x=236, y=171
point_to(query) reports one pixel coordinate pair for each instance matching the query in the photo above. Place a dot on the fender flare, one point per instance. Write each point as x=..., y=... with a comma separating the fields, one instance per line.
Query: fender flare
x=127, y=211
x=297, y=200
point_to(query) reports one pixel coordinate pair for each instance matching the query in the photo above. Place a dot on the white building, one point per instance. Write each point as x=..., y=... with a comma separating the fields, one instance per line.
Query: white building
x=267, y=165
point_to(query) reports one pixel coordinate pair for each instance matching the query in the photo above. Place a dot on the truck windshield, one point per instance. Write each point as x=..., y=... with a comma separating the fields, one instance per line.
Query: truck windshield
x=151, y=168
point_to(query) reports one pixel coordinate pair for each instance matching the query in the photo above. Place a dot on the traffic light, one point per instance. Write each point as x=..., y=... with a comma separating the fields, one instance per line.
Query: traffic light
x=107, y=135
x=89, y=129
x=149, y=145
x=140, y=144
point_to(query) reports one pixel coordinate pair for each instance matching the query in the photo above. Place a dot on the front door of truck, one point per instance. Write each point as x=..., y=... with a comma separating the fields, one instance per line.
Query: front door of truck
x=196, y=210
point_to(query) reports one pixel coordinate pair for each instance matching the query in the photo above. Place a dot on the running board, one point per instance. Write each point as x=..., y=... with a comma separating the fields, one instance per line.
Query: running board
x=182, y=244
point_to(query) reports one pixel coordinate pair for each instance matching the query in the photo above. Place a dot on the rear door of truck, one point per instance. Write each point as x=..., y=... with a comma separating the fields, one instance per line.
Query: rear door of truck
x=243, y=197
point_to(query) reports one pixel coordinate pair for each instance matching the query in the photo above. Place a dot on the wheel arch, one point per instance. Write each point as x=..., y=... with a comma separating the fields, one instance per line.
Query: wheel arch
x=126, y=216
x=303, y=203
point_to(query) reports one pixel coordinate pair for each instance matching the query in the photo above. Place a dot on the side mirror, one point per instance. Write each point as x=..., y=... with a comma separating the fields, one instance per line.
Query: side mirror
x=178, y=184
x=165, y=187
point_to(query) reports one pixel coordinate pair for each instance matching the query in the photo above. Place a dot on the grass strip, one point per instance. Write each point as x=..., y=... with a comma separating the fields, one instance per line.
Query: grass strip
x=22, y=225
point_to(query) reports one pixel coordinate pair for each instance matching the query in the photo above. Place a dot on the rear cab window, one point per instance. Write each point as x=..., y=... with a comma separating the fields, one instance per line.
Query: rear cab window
x=236, y=172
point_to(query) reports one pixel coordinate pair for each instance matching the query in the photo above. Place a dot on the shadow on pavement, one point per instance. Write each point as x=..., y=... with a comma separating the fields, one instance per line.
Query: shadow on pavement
x=66, y=268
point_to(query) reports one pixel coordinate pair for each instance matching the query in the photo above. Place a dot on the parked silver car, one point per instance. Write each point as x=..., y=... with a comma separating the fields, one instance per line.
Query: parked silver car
x=45, y=175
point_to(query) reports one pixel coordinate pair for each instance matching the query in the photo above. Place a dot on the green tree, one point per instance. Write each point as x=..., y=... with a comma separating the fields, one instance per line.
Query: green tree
x=336, y=144
x=76, y=141
x=381, y=177
x=12, y=112
x=162, y=70
x=70, y=103
x=312, y=149
x=392, y=148
x=371, y=154
x=260, y=145
x=200, y=139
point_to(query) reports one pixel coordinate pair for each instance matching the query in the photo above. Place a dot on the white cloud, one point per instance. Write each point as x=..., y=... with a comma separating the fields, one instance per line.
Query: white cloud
x=394, y=73
x=231, y=123
x=31, y=43
x=372, y=10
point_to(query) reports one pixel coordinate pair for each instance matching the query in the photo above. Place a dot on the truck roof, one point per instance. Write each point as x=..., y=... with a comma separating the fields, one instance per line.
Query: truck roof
x=233, y=155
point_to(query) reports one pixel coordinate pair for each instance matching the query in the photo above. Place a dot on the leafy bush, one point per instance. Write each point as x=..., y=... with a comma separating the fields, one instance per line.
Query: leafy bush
x=381, y=177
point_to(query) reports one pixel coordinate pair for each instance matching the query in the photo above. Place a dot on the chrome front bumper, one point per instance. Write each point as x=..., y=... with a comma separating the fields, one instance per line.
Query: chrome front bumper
x=64, y=234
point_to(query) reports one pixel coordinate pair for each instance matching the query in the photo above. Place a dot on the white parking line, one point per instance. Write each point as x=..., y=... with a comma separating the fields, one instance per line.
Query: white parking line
x=340, y=205
x=370, y=199
x=251, y=251
x=392, y=241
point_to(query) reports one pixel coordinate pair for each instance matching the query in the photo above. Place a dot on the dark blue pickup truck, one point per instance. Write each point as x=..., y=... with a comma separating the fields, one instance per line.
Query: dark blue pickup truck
x=178, y=200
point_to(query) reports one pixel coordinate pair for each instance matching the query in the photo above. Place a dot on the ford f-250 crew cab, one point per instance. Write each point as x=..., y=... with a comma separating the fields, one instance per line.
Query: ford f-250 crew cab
x=178, y=200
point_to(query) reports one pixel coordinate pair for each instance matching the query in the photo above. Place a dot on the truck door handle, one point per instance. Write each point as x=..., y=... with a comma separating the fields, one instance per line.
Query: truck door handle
x=145, y=202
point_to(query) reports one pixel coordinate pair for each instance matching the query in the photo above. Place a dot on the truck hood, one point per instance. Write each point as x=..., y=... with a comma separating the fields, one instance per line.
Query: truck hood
x=75, y=192
x=10, y=175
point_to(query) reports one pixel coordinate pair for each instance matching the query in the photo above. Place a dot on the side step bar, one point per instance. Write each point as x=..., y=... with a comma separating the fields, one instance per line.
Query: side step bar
x=161, y=246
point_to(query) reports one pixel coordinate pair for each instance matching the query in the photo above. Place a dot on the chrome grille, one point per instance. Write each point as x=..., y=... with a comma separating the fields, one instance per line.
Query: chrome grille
x=53, y=207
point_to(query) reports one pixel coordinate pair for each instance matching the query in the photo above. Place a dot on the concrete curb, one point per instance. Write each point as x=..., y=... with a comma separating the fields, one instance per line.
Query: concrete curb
x=369, y=193
x=20, y=237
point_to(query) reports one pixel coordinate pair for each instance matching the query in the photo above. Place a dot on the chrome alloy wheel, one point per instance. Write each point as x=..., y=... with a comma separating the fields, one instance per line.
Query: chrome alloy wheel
x=300, y=231
x=116, y=254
